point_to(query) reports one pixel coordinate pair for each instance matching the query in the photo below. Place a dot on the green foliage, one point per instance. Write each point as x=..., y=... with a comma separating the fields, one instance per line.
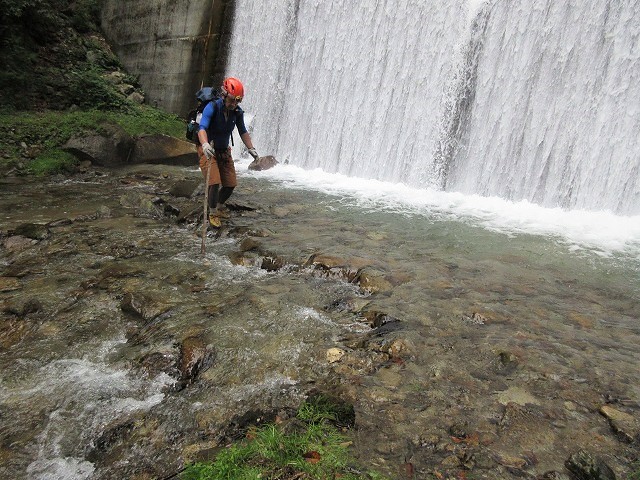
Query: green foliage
x=90, y=89
x=319, y=450
x=44, y=56
x=48, y=131
x=51, y=162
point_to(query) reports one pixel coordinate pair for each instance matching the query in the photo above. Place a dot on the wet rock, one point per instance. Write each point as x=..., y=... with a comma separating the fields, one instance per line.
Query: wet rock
x=155, y=363
x=588, y=467
x=553, y=475
x=62, y=222
x=334, y=355
x=13, y=330
x=350, y=304
x=516, y=395
x=475, y=319
x=249, y=244
x=510, y=460
x=201, y=451
x=377, y=319
x=110, y=147
x=34, y=231
x=143, y=306
x=171, y=210
x=238, y=206
x=358, y=362
x=195, y=357
x=459, y=429
x=391, y=325
x=112, y=436
x=165, y=150
x=17, y=243
x=9, y=284
x=507, y=363
x=373, y=281
x=191, y=214
x=244, y=259
x=334, y=266
x=263, y=163
x=625, y=425
x=451, y=461
x=184, y=188
x=143, y=204
x=271, y=264
x=21, y=307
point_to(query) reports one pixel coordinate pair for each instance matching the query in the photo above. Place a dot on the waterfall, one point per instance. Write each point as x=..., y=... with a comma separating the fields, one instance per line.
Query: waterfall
x=536, y=101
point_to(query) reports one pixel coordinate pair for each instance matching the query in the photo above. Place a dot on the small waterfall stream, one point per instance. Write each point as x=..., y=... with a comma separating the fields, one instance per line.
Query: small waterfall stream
x=534, y=102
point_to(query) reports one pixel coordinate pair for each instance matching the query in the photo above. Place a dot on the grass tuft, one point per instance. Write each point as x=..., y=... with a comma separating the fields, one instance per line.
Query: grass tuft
x=318, y=451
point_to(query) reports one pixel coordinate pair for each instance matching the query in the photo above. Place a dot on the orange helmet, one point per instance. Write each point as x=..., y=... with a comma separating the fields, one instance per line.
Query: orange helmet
x=232, y=86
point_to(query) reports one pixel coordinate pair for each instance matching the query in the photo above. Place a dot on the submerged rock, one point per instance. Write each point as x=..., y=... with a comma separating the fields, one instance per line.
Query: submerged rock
x=587, y=467
x=34, y=231
x=622, y=423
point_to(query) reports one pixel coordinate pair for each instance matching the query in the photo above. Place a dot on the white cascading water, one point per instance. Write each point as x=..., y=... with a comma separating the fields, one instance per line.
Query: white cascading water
x=537, y=100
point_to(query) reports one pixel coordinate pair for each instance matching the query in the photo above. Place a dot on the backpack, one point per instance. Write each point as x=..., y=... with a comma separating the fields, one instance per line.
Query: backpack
x=203, y=97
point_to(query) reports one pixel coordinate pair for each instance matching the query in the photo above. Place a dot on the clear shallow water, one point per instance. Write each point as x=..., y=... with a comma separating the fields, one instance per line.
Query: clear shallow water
x=564, y=304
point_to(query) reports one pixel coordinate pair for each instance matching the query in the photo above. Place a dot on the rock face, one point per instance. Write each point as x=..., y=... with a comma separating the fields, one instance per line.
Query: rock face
x=171, y=46
x=108, y=149
x=164, y=149
x=115, y=147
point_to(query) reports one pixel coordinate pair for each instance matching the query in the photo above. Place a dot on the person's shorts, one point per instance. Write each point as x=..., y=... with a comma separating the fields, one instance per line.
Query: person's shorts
x=223, y=171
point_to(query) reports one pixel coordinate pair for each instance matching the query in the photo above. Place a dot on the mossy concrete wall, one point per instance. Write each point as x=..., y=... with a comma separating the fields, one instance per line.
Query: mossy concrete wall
x=174, y=47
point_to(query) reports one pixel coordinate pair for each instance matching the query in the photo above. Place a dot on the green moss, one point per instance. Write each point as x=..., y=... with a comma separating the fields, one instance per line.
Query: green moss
x=54, y=161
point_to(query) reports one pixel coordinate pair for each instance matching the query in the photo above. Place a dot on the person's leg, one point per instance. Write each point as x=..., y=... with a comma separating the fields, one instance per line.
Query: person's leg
x=225, y=193
x=227, y=175
x=213, y=192
x=214, y=196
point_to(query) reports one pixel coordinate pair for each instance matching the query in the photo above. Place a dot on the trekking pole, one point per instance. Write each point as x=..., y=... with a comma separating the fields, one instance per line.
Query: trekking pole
x=205, y=219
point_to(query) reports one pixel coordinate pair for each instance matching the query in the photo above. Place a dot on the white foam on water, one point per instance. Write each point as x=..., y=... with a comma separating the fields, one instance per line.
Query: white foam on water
x=600, y=231
x=67, y=468
x=82, y=395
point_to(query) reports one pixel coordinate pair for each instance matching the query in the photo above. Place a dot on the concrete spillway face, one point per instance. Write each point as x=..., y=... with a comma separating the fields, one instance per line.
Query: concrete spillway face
x=536, y=102
x=173, y=47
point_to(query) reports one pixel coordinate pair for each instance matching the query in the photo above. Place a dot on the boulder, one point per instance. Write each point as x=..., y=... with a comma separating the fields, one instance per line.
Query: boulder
x=165, y=150
x=136, y=97
x=110, y=147
x=263, y=163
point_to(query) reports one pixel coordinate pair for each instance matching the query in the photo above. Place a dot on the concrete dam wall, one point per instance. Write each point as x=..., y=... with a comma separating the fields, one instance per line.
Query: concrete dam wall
x=173, y=47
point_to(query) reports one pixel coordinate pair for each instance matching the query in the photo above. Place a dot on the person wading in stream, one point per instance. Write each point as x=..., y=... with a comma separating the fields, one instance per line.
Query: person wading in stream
x=219, y=118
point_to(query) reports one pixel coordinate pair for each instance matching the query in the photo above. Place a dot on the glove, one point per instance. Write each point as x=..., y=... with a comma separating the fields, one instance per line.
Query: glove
x=208, y=150
x=253, y=153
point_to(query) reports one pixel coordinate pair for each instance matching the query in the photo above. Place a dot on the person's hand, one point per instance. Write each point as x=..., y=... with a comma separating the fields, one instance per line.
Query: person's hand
x=207, y=149
x=253, y=153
